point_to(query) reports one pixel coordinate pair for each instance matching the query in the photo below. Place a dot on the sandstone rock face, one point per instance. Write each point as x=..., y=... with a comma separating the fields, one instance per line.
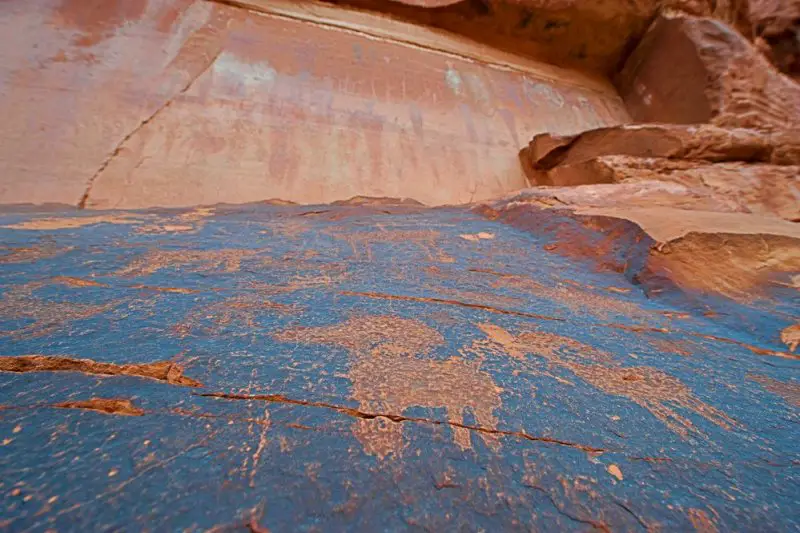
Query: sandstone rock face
x=183, y=102
x=776, y=25
x=594, y=34
x=691, y=70
x=701, y=142
x=590, y=34
x=768, y=190
x=701, y=167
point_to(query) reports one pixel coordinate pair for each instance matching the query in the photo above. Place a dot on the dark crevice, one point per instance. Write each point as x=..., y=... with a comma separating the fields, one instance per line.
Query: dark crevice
x=628, y=510
x=349, y=411
x=556, y=156
x=594, y=524
x=444, y=301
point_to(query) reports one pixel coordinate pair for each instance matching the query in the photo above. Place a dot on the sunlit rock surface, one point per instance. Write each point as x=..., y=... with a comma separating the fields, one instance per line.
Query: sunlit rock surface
x=691, y=70
x=174, y=103
x=384, y=367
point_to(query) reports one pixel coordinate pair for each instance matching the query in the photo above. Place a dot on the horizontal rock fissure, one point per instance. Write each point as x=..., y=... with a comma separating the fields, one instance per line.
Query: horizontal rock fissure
x=330, y=24
x=349, y=411
x=756, y=350
x=497, y=310
x=650, y=329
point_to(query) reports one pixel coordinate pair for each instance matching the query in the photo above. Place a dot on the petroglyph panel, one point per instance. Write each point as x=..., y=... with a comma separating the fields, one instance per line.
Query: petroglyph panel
x=186, y=102
x=390, y=374
x=245, y=367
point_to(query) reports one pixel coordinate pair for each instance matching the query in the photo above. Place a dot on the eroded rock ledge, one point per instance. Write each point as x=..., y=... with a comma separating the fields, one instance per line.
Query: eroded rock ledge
x=710, y=171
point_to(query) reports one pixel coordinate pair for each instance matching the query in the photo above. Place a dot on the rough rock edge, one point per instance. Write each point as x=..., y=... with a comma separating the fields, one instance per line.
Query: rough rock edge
x=703, y=142
x=108, y=406
x=689, y=69
x=697, y=259
x=165, y=371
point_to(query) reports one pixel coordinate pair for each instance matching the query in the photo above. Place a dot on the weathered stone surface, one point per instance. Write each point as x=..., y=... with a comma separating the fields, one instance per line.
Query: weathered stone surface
x=736, y=266
x=776, y=26
x=394, y=376
x=716, y=259
x=610, y=356
x=185, y=102
x=588, y=34
x=584, y=34
x=676, y=208
x=770, y=190
x=672, y=141
x=696, y=70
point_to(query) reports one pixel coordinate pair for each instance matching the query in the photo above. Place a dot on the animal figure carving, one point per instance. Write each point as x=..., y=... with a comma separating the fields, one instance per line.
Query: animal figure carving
x=45, y=315
x=240, y=312
x=425, y=240
x=652, y=389
x=390, y=375
x=226, y=260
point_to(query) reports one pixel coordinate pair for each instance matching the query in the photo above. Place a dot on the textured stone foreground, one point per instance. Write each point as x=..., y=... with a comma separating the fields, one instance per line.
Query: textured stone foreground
x=381, y=367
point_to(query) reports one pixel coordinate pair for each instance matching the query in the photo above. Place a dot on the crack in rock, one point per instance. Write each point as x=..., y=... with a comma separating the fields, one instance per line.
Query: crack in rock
x=349, y=411
x=497, y=310
x=121, y=144
x=594, y=524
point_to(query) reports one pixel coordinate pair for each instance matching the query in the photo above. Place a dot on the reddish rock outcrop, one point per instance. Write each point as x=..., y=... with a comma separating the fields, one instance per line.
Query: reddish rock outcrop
x=768, y=190
x=672, y=141
x=692, y=70
x=700, y=246
x=692, y=167
x=186, y=102
x=776, y=27
x=738, y=266
x=709, y=179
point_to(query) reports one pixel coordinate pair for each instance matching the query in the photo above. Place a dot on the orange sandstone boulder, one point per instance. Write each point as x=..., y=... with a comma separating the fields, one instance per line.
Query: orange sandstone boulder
x=776, y=27
x=692, y=70
x=692, y=167
x=673, y=141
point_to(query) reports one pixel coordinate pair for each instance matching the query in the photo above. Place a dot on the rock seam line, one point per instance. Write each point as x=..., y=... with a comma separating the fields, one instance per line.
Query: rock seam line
x=595, y=87
x=497, y=310
x=85, y=197
x=355, y=413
